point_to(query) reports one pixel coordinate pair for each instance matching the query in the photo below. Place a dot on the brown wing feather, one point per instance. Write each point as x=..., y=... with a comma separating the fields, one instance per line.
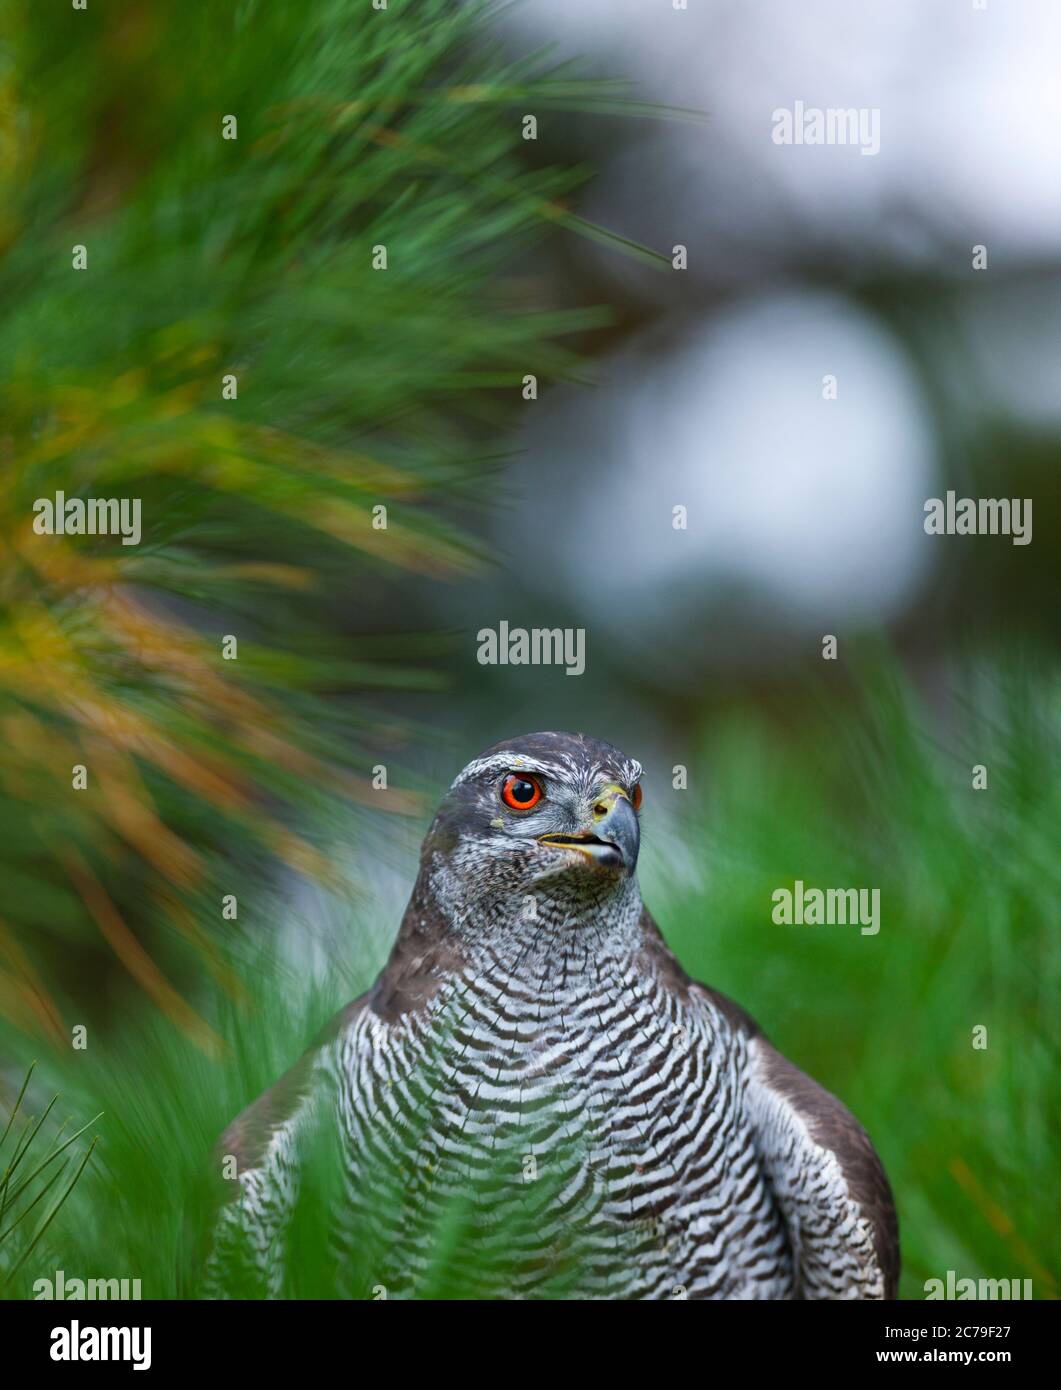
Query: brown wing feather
x=829, y=1122
x=833, y=1126
x=247, y=1138
x=422, y=956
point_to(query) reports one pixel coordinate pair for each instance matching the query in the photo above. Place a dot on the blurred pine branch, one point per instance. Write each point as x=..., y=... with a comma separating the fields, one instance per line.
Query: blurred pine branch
x=357, y=388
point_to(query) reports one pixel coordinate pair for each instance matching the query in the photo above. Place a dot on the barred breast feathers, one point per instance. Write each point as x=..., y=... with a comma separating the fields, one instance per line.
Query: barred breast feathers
x=828, y=1179
x=826, y=1175
x=828, y=1184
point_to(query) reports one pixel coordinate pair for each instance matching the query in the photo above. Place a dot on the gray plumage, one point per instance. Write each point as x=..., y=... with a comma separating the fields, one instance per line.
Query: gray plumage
x=533, y=1049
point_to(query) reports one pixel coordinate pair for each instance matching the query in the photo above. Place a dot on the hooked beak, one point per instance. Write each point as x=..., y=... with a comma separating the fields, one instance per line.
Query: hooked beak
x=615, y=838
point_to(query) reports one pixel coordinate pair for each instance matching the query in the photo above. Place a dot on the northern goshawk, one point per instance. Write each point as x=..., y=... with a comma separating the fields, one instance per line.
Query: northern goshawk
x=534, y=1055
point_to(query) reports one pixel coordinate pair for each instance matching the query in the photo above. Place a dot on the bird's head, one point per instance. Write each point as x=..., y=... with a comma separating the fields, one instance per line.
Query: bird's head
x=548, y=819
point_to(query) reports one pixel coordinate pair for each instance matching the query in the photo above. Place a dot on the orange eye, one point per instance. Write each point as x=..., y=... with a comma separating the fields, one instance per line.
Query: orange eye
x=521, y=792
x=635, y=797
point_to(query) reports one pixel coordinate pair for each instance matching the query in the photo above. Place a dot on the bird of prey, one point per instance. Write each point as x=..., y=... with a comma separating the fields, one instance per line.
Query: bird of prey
x=533, y=1052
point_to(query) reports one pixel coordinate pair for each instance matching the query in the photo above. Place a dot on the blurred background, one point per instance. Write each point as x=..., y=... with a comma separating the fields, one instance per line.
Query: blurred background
x=658, y=388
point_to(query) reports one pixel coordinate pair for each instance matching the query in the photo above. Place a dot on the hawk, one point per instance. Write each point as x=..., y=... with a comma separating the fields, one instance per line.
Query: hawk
x=533, y=1053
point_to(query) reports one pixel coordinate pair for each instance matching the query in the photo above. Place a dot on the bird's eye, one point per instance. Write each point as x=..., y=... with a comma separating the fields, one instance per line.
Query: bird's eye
x=520, y=791
x=635, y=797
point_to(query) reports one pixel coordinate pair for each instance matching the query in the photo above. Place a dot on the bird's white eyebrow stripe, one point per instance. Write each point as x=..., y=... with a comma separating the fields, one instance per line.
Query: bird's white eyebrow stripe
x=511, y=761
x=508, y=762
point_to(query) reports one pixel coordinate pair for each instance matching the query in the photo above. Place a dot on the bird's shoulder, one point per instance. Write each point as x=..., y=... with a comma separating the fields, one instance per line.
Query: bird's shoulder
x=422, y=959
x=267, y=1119
x=659, y=960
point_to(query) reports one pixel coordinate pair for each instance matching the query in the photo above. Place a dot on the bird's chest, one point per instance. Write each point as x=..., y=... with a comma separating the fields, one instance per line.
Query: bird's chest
x=606, y=1050
x=595, y=1106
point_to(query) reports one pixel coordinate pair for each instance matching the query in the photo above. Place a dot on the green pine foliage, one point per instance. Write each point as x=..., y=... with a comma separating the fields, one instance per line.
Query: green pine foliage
x=834, y=790
x=253, y=258
x=877, y=792
x=358, y=388
x=34, y=1183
